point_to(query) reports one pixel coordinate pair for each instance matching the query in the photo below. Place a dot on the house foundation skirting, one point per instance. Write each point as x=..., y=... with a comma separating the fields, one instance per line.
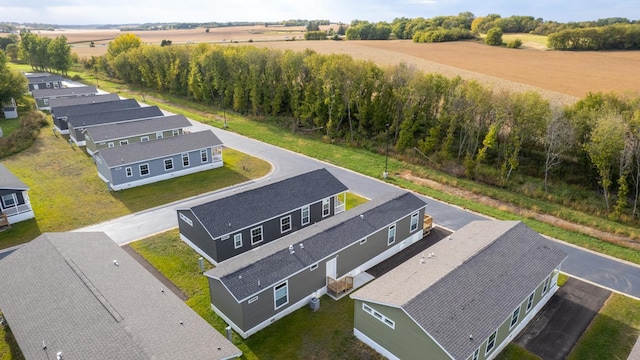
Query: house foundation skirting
x=152, y=179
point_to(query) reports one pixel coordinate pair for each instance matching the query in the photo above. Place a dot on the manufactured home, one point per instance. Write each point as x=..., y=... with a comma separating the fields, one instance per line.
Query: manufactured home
x=465, y=298
x=43, y=96
x=14, y=200
x=265, y=284
x=60, y=114
x=227, y=227
x=147, y=162
x=54, y=103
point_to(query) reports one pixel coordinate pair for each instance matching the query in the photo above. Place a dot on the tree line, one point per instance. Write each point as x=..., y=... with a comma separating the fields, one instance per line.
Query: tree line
x=610, y=37
x=457, y=125
x=46, y=54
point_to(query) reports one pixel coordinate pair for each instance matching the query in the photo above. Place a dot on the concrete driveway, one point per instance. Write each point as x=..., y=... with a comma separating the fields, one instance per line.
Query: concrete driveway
x=554, y=331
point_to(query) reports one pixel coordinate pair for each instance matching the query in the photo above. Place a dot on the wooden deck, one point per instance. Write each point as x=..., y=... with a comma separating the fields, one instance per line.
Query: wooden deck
x=4, y=222
x=336, y=287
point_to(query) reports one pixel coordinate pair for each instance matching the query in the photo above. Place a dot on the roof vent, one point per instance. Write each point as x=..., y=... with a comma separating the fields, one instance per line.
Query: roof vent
x=44, y=345
x=59, y=355
x=115, y=262
x=470, y=336
x=449, y=238
x=362, y=216
x=258, y=282
x=291, y=251
x=301, y=246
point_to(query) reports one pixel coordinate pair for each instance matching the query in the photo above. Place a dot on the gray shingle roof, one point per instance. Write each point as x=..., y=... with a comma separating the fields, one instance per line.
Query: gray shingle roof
x=79, y=100
x=87, y=120
x=45, y=79
x=258, y=204
x=500, y=265
x=137, y=128
x=43, y=93
x=148, y=150
x=94, y=108
x=64, y=289
x=9, y=181
x=272, y=263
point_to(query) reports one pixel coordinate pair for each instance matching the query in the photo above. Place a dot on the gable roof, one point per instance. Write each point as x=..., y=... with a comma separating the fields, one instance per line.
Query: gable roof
x=79, y=100
x=79, y=90
x=149, y=150
x=94, y=108
x=471, y=285
x=64, y=289
x=10, y=181
x=136, y=128
x=44, y=79
x=240, y=210
x=87, y=120
x=272, y=262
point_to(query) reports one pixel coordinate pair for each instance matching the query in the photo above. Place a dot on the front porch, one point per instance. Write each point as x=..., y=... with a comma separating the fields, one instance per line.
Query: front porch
x=338, y=288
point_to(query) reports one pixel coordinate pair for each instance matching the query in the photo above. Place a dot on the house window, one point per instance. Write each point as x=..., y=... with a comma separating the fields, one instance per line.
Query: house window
x=326, y=207
x=530, y=301
x=313, y=267
x=392, y=234
x=545, y=286
x=159, y=135
x=204, y=156
x=144, y=138
x=175, y=132
x=111, y=144
x=8, y=200
x=185, y=160
x=305, y=215
x=184, y=218
x=491, y=342
x=281, y=295
x=369, y=310
x=256, y=235
x=46, y=101
x=144, y=169
x=514, y=317
x=414, y=222
x=476, y=354
x=129, y=171
x=237, y=241
x=124, y=142
x=168, y=164
x=285, y=224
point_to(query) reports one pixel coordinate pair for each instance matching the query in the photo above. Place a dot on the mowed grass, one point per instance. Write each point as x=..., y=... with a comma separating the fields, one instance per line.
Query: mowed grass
x=9, y=349
x=540, y=41
x=612, y=333
x=9, y=125
x=514, y=351
x=66, y=193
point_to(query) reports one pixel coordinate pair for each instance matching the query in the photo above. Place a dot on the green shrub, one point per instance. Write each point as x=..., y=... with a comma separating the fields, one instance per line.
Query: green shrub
x=494, y=37
x=76, y=77
x=23, y=137
x=515, y=44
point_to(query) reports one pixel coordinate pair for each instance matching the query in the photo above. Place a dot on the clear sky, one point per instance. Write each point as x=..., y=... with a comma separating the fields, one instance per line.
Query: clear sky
x=77, y=12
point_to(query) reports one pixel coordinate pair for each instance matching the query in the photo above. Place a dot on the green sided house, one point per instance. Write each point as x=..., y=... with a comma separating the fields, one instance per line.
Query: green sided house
x=464, y=299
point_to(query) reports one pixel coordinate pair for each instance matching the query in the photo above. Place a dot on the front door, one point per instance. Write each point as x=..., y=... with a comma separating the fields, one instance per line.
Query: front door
x=332, y=268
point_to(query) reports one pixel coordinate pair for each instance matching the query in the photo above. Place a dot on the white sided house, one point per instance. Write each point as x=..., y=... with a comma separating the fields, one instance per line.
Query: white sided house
x=465, y=298
x=142, y=163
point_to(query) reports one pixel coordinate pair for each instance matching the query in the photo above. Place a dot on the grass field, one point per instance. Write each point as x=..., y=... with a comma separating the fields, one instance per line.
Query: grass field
x=66, y=193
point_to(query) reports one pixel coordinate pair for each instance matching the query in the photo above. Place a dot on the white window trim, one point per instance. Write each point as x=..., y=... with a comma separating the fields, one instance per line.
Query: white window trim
x=159, y=135
x=237, y=237
x=285, y=285
x=414, y=226
x=391, y=239
x=515, y=312
x=261, y=235
x=308, y=211
x=140, y=169
x=164, y=162
x=363, y=241
x=204, y=156
x=476, y=354
x=144, y=138
x=530, y=300
x=184, y=218
x=385, y=320
x=186, y=156
x=326, y=205
x=282, y=219
x=128, y=171
x=111, y=144
x=493, y=347
x=545, y=286
x=252, y=299
x=175, y=132
x=14, y=200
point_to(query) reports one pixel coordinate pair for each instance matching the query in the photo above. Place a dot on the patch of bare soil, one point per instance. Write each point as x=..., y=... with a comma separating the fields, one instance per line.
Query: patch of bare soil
x=549, y=219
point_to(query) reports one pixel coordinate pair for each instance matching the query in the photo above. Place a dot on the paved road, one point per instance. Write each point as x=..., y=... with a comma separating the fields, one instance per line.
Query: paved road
x=602, y=270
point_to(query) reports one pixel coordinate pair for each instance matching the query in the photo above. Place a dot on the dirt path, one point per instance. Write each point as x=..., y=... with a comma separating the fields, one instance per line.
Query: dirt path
x=549, y=219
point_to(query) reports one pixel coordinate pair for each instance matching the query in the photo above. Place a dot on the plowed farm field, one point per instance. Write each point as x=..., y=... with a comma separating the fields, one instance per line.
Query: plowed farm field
x=562, y=77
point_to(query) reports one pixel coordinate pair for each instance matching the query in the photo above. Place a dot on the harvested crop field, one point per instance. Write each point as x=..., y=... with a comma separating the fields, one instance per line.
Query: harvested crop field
x=562, y=77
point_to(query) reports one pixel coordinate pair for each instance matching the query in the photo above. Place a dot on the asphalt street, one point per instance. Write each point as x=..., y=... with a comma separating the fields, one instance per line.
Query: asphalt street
x=601, y=270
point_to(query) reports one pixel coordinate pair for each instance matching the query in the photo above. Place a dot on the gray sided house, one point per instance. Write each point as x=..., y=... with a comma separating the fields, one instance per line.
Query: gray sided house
x=147, y=162
x=43, y=96
x=465, y=298
x=79, y=123
x=45, y=82
x=224, y=228
x=112, y=135
x=60, y=114
x=265, y=284
x=78, y=295
x=54, y=103
x=14, y=200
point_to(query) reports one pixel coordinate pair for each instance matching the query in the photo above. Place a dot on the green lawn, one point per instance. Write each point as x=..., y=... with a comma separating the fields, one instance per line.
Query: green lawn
x=9, y=349
x=8, y=125
x=66, y=193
